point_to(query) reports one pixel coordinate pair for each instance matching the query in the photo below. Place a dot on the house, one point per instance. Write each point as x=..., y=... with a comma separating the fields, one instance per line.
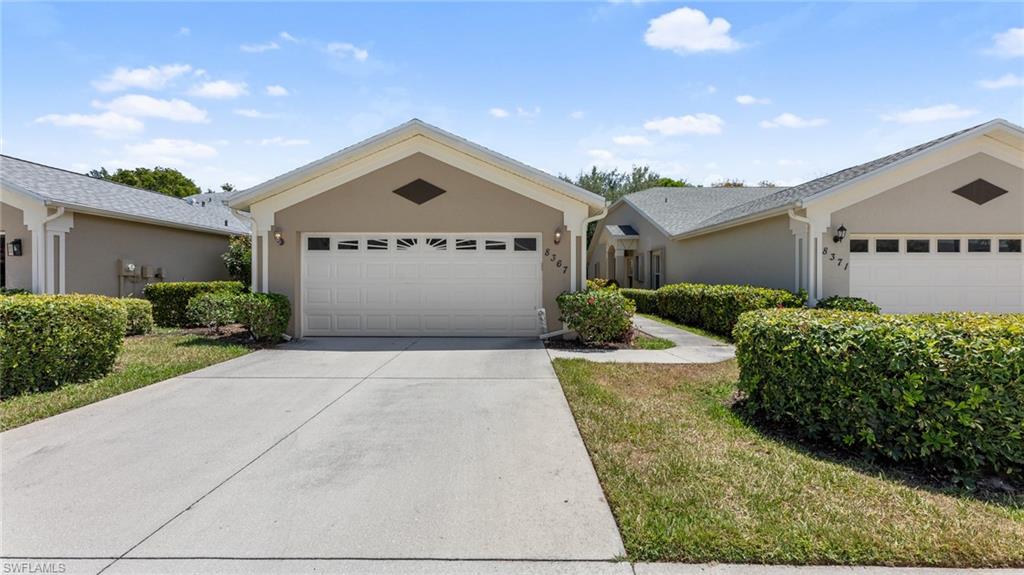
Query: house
x=63, y=232
x=417, y=231
x=935, y=227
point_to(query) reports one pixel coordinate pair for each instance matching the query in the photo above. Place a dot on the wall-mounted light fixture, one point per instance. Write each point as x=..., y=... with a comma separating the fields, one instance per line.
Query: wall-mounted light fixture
x=840, y=234
x=278, y=235
x=14, y=248
x=558, y=234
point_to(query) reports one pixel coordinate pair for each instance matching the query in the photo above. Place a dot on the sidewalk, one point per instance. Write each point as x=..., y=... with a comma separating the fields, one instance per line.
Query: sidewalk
x=690, y=348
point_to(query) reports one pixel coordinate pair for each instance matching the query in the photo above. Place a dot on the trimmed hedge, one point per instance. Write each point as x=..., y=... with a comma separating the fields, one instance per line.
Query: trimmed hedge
x=212, y=310
x=646, y=300
x=265, y=315
x=140, y=315
x=717, y=308
x=51, y=340
x=941, y=391
x=848, y=304
x=598, y=316
x=170, y=299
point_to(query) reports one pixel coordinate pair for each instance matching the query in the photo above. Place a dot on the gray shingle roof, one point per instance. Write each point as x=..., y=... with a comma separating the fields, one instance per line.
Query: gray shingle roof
x=789, y=196
x=72, y=190
x=680, y=210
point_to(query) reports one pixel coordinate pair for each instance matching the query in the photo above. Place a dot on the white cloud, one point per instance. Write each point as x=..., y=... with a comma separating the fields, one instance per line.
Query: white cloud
x=169, y=152
x=498, y=112
x=601, y=156
x=1004, y=81
x=711, y=89
x=788, y=120
x=184, y=31
x=929, y=114
x=278, y=141
x=687, y=30
x=577, y=114
x=142, y=106
x=346, y=50
x=251, y=113
x=702, y=124
x=288, y=37
x=258, y=48
x=277, y=90
x=219, y=89
x=631, y=140
x=150, y=78
x=528, y=113
x=747, y=100
x=1009, y=44
x=107, y=124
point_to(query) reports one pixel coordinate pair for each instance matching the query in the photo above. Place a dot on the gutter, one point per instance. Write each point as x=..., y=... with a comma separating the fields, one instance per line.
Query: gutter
x=57, y=214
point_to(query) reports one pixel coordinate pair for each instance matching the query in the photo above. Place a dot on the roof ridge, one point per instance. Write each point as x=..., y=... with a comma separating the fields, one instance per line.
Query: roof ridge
x=111, y=182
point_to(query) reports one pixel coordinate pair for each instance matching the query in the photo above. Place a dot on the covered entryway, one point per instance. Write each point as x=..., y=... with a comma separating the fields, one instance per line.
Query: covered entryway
x=921, y=274
x=421, y=284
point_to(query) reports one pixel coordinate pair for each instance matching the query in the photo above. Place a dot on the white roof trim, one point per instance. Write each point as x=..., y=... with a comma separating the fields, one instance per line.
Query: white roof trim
x=396, y=135
x=978, y=131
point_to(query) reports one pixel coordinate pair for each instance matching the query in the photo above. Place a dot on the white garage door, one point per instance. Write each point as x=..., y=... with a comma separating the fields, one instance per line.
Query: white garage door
x=418, y=284
x=915, y=274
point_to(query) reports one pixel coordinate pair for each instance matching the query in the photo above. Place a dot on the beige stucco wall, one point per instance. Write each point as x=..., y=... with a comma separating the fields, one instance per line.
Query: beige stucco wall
x=760, y=253
x=927, y=205
x=95, y=244
x=367, y=204
x=19, y=269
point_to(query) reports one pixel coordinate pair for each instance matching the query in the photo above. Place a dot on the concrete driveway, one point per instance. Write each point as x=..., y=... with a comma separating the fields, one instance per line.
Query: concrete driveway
x=332, y=449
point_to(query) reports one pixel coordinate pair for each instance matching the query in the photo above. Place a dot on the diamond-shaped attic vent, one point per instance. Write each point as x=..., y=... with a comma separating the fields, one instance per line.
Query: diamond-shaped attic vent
x=419, y=191
x=979, y=191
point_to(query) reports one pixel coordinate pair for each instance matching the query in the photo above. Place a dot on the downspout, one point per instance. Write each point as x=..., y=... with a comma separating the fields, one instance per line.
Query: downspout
x=586, y=249
x=47, y=264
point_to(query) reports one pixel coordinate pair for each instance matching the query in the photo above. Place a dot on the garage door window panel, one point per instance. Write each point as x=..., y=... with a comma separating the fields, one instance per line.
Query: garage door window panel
x=495, y=245
x=887, y=246
x=1009, y=246
x=918, y=246
x=317, y=244
x=525, y=244
x=858, y=246
x=979, y=246
x=946, y=246
x=377, y=244
x=465, y=244
x=348, y=245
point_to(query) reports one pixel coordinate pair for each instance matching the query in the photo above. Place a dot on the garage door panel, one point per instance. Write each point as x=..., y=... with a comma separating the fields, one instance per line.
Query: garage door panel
x=932, y=282
x=421, y=290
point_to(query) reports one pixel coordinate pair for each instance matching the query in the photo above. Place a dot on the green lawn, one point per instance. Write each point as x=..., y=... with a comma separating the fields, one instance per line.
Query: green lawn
x=144, y=360
x=647, y=342
x=690, y=481
x=689, y=328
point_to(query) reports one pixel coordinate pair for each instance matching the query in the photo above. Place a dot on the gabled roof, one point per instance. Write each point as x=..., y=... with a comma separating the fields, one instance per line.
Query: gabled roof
x=680, y=210
x=799, y=196
x=78, y=192
x=621, y=231
x=410, y=129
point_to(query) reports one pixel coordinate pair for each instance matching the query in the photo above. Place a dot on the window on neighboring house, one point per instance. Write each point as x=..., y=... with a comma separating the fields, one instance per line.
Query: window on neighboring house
x=887, y=246
x=640, y=268
x=1009, y=246
x=979, y=246
x=655, y=270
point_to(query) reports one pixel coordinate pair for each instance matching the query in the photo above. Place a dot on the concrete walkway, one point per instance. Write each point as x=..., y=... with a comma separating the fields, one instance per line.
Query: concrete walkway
x=690, y=348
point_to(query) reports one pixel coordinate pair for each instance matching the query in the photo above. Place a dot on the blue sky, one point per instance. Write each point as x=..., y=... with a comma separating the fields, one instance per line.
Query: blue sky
x=243, y=92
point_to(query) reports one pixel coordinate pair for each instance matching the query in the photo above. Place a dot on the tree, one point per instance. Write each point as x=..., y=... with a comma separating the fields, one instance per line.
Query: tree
x=729, y=183
x=613, y=184
x=161, y=180
x=225, y=187
x=767, y=184
x=238, y=258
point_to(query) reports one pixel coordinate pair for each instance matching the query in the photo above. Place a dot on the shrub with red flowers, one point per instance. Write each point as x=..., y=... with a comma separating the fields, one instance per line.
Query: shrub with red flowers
x=598, y=316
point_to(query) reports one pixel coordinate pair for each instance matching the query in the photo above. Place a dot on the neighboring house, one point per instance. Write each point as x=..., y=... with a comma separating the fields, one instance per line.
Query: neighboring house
x=419, y=232
x=935, y=227
x=63, y=232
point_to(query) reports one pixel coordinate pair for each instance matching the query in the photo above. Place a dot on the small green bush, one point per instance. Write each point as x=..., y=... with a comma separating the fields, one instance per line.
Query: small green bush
x=140, y=315
x=170, y=299
x=848, y=304
x=265, y=315
x=51, y=340
x=238, y=258
x=598, y=316
x=646, y=300
x=14, y=291
x=716, y=308
x=945, y=392
x=212, y=310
